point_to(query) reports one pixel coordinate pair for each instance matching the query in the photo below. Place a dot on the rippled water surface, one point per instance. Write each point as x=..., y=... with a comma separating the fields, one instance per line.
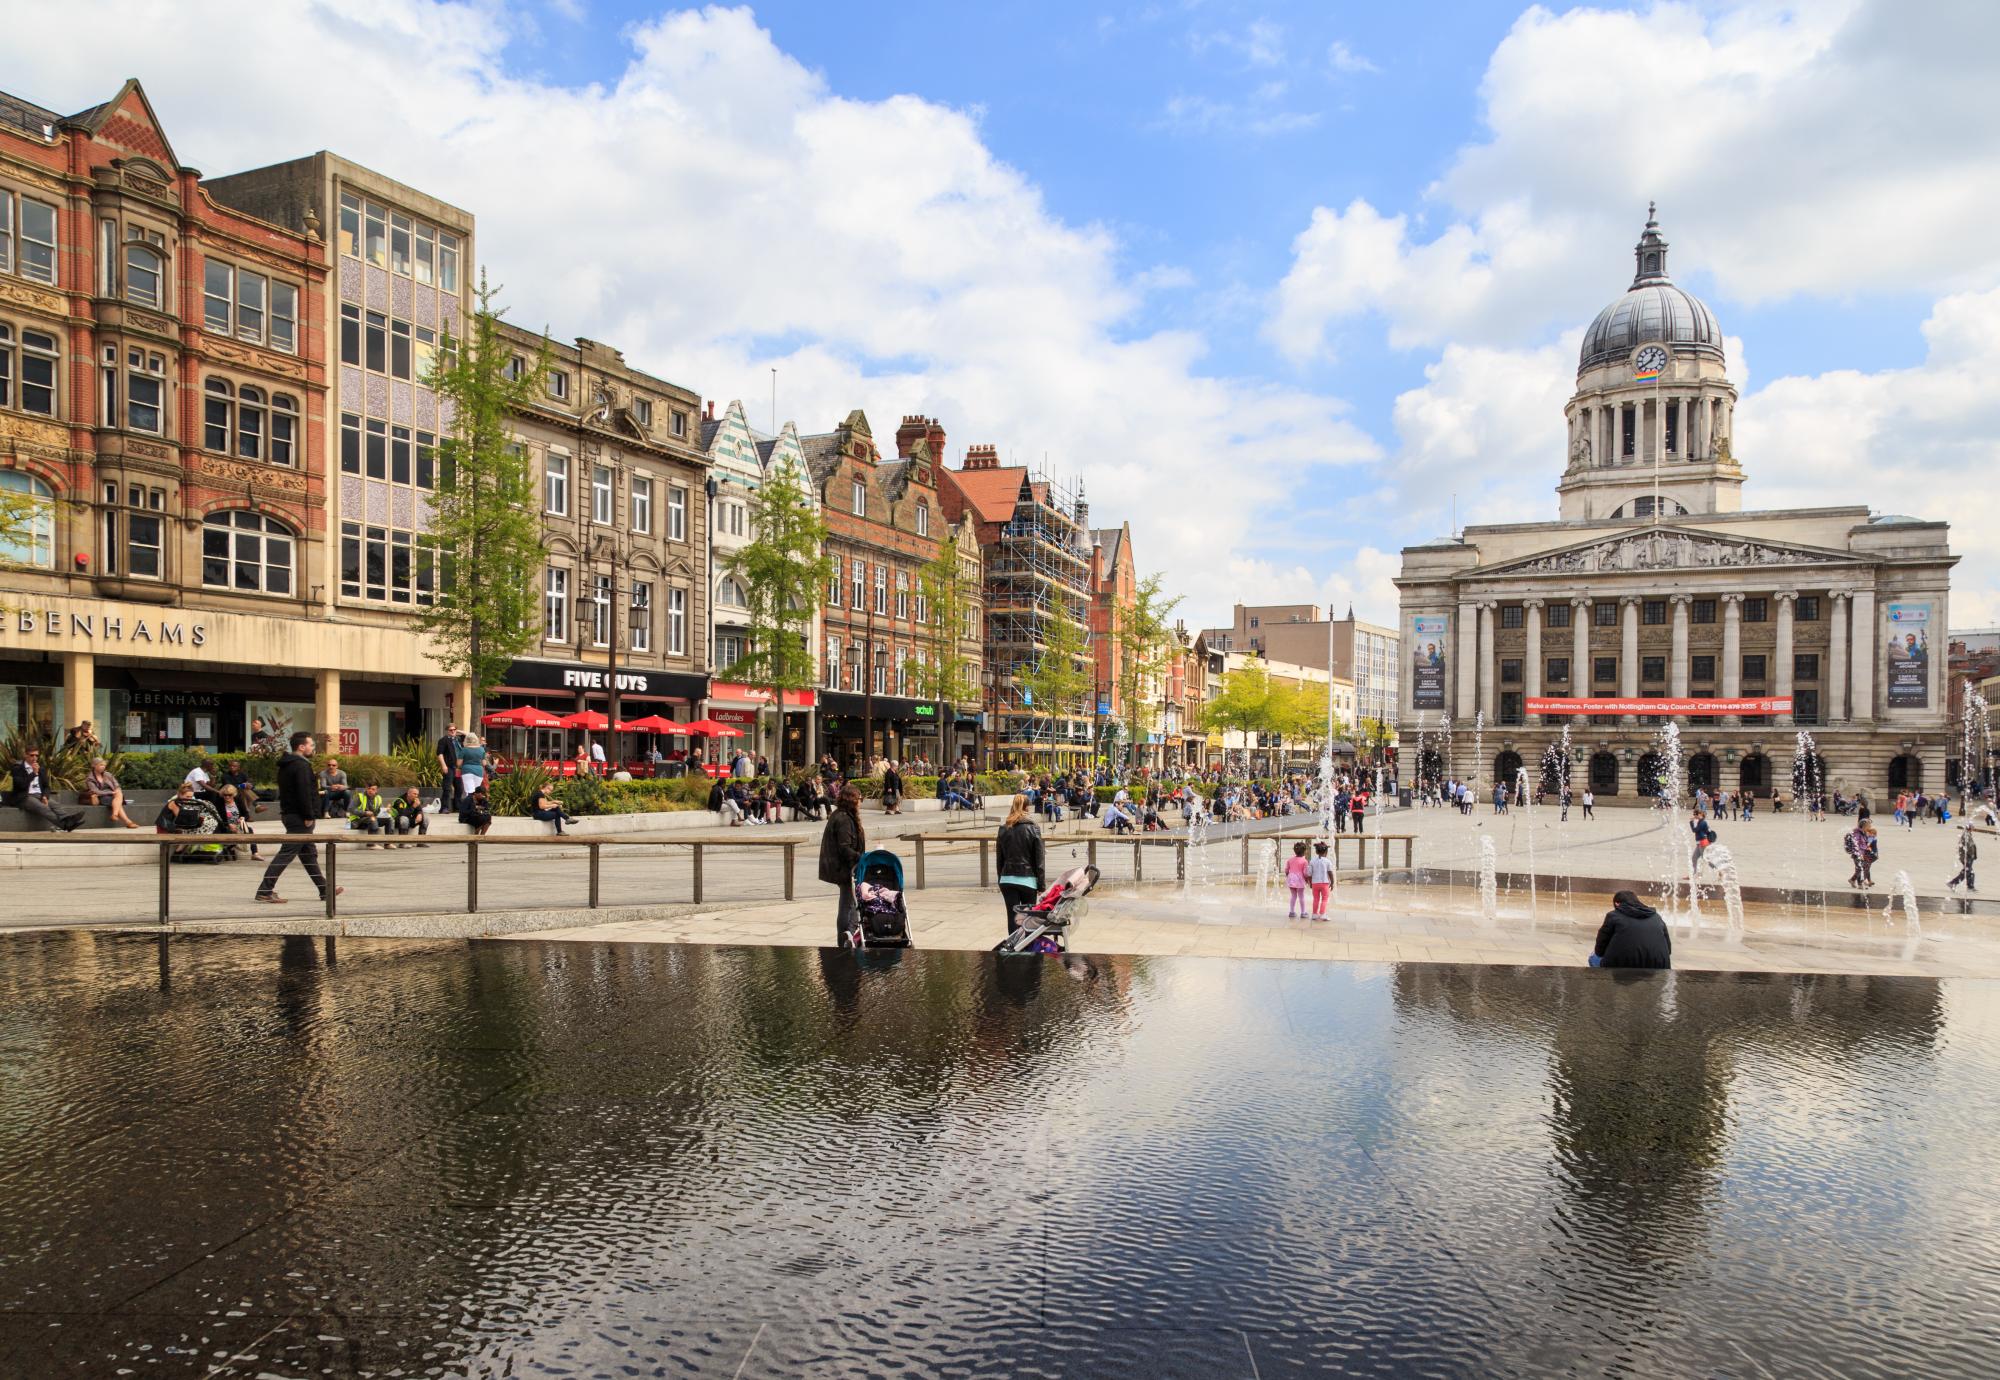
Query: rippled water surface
x=537, y=1159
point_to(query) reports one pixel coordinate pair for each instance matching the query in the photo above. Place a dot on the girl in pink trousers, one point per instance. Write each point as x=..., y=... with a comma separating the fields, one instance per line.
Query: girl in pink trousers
x=1295, y=881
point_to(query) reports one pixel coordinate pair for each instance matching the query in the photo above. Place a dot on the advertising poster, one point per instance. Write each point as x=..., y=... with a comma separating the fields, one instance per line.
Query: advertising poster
x=1430, y=632
x=1908, y=638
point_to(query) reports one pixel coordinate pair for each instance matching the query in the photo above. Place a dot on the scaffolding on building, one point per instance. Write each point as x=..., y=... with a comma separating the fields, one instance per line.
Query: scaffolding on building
x=1037, y=571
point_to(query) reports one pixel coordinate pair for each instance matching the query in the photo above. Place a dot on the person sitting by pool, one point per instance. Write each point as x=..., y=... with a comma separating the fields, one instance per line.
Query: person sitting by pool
x=1632, y=936
x=1116, y=819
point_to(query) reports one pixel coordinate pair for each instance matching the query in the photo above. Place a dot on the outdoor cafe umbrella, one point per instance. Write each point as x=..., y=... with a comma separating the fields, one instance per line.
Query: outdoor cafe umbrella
x=589, y=720
x=524, y=717
x=709, y=728
x=652, y=724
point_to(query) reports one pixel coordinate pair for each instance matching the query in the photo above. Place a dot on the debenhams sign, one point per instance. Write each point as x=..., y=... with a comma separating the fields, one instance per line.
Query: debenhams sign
x=99, y=629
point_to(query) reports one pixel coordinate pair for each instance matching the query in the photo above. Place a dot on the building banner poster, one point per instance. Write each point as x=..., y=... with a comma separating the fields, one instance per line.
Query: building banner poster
x=1431, y=633
x=1908, y=638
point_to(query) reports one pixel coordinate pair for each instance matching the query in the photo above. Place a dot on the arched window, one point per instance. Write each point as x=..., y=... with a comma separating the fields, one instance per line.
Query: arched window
x=1603, y=774
x=1701, y=771
x=1507, y=769
x=246, y=551
x=142, y=275
x=1906, y=773
x=1754, y=776
x=284, y=428
x=250, y=422
x=1652, y=774
x=218, y=417
x=30, y=539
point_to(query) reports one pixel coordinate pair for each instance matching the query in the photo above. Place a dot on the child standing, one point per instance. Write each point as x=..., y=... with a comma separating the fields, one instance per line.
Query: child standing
x=1322, y=879
x=1295, y=881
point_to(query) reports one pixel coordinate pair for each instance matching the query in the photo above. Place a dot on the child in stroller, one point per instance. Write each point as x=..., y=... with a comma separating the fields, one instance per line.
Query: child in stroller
x=1044, y=927
x=882, y=919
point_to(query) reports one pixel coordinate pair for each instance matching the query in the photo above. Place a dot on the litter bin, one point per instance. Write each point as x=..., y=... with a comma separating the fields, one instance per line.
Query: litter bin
x=1403, y=797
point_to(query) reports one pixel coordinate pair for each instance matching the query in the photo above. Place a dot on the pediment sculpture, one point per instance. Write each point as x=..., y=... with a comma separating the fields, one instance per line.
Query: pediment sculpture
x=1666, y=550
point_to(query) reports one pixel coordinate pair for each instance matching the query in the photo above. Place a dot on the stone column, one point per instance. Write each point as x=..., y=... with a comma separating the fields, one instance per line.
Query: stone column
x=80, y=694
x=1862, y=660
x=1677, y=668
x=1468, y=659
x=1628, y=652
x=326, y=712
x=1531, y=663
x=1732, y=653
x=1782, y=673
x=1836, y=659
x=1579, y=649
x=1487, y=667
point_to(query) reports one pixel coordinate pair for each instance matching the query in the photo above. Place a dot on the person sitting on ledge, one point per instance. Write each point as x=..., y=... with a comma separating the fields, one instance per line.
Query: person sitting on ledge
x=549, y=810
x=476, y=810
x=334, y=800
x=1632, y=936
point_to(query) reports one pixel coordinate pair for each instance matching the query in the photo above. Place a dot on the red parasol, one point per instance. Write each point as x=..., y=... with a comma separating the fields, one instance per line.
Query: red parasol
x=709, y=728
x=526, y=716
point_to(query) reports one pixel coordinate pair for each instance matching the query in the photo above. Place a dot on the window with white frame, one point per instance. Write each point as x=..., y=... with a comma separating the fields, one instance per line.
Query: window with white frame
x=32, y=540
x=558, y=384
x=403, y=244
x=134, y=519
x=680, y=423
x=858, y=591
x=600, y=610
x=860, y=499
x=971, y=621
x=640, y=630
x=902, y=594
x=261, y=310
x=642, y=505
x=246, y=551
x=601, y=494
x=28, y=369
x=145, y=390
x=242, y=422
x=923, y=605
x=642, y=411
x=389, y=564
x=27, y=236
x=902, y=670
x=555, y=606
x=739, y=519
x=881, y=589
x=677, y=513
x=731, y=593
x=145, y=269
x=833, y=582
x=878, y=670
x=923, y=519
x=556, y=488
x=677, y=619
x=830, y=672
x=728, y=650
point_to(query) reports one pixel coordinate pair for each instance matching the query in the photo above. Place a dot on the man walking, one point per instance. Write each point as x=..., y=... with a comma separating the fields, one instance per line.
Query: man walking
x=447, y=754
x=298, y=807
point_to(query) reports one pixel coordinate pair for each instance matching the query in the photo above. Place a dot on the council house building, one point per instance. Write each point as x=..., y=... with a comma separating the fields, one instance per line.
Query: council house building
x=1654, y=583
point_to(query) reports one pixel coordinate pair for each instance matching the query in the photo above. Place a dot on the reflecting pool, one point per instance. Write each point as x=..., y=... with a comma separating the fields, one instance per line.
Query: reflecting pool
x=235, y=1157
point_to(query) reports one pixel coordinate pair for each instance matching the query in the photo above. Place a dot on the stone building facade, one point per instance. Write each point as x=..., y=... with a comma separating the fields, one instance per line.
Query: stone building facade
x=623, y=485
x=165, y=396
x=1655, y=583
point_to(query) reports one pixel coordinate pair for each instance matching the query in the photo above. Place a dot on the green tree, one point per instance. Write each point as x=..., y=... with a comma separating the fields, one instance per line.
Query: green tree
x=1063, y=674
x=1145, y=640
x=1242, y=703
x=485, y=540
x=782, y=572
x=20, y=513
x=948, y=592
x=1373, y=736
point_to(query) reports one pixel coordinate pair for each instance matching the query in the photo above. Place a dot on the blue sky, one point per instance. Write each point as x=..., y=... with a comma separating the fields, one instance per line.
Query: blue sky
x=1285, y=283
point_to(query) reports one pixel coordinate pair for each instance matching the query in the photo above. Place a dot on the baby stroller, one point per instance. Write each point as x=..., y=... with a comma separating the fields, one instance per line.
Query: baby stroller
x=1044, y=927
x=882, y=920
x=201, y=816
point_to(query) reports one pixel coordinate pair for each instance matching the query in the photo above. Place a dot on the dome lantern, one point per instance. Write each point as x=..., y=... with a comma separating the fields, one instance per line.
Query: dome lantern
x=1652, y=309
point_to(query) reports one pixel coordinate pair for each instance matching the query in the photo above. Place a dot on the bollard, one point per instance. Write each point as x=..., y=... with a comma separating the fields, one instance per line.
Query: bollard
x=985, y=859
x=920, y=862
x=1138, y=870
x=472, y=878
x=594, y=873
x=332, y=877
x=1180, y=860
x=791, y=870
x=166, y=857
x=697, y=874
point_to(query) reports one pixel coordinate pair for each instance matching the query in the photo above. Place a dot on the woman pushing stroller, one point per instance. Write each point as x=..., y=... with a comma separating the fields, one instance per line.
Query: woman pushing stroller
x=1022, y=860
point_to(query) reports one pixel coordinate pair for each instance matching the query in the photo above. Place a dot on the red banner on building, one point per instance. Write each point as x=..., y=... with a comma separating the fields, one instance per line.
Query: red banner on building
x=1772, y=704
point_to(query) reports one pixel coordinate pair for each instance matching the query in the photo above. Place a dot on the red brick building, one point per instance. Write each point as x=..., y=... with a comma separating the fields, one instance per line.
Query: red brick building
x=1114, y=585
x=163, y=400
x=885, y=524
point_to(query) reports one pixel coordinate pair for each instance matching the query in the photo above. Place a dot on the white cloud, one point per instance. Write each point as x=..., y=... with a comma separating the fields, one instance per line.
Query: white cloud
x=717, y=196
x=1367, y=584
x=1260, y=43
x=1342, y=58
x=1923, y=441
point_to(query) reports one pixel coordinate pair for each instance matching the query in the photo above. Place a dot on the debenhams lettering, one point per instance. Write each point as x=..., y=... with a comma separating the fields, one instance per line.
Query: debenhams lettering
x=112, y=629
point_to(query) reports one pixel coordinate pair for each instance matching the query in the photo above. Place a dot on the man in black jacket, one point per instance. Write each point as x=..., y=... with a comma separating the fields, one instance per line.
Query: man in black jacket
x=298, y=807
x=447, y=755
x=28, y=792
x=1633, y=936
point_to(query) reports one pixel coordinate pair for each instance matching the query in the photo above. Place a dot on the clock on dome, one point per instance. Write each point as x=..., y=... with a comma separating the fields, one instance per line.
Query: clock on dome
x=1649, y=362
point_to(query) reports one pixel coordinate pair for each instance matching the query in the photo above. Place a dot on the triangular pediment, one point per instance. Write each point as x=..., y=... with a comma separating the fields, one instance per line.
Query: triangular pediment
x=1668, y=548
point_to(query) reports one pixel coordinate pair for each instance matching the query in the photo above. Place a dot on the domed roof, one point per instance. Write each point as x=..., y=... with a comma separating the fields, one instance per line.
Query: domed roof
x=1652, y=309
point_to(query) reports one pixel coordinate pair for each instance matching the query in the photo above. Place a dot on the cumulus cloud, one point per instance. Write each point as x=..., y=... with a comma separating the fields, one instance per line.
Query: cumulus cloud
x=718, y=208
x=1342, y=58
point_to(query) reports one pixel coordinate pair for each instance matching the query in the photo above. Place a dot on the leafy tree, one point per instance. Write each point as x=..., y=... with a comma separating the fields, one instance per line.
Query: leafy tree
x=1063, y=676
x=19, y=514
x=1145, y=639
x=1298, y=714
x=948, y=592
x=485, y=540
x=1373, y=736
x=782, y=572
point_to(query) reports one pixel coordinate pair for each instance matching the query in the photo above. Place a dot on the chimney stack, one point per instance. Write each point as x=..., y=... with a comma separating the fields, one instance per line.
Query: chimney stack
x=982, y=457
x=711, y=410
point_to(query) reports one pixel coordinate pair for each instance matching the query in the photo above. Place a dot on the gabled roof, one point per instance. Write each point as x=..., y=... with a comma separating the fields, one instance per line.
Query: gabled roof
x=991, y=494
x=1109, y=538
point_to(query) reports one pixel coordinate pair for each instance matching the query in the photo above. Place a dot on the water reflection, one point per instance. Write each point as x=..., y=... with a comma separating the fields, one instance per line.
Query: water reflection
x=453, y=1159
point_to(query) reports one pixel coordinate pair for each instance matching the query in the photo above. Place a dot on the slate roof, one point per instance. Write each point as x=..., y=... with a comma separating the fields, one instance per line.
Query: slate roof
x=1108, y=538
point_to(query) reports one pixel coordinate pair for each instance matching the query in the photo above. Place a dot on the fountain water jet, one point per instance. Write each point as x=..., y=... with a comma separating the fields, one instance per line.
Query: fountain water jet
x=1489, y=883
